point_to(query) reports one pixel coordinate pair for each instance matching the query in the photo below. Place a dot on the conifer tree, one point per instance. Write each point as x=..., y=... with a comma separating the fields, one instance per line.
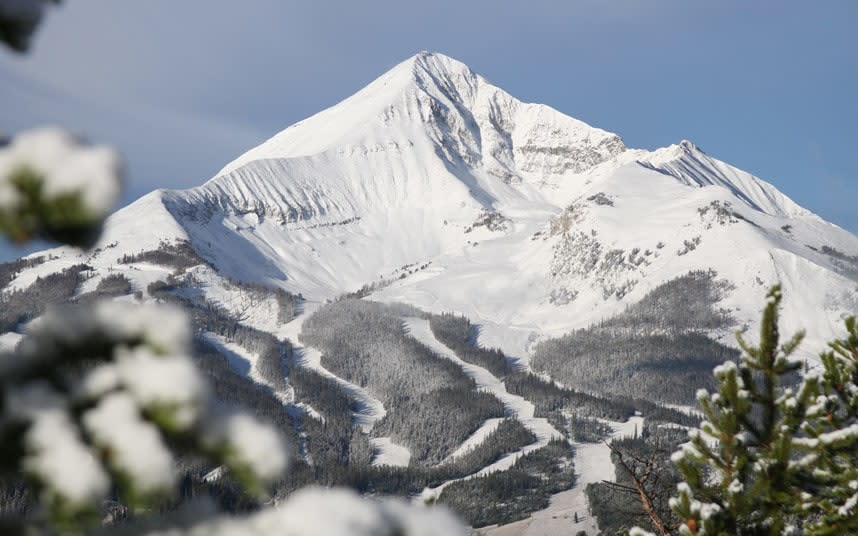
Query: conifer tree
x=769, y=458
x=736, y=467
x=829, y=460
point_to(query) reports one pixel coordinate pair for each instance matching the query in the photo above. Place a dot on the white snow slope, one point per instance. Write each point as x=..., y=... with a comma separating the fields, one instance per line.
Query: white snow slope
x=528, y=221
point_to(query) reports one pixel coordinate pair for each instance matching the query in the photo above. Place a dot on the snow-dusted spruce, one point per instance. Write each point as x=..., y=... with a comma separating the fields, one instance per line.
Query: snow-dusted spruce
x=54, y=186
x=831, y=442
x=737, y=466
x=771, y=457
x=105, y=394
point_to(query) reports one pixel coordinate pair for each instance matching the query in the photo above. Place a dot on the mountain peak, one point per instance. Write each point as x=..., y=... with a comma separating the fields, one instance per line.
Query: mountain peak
x=439, y=65
x=427, y=62
x=435, y=99
x=688, y=146
x=447, y=192
x=432, y=73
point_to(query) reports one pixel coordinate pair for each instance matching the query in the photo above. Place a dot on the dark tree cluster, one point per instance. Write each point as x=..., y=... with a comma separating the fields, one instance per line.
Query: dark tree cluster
x=111, y=286
x=237, y=389
x=179, y=255
x=587, y=429
x=845, y=264
x=506, y=496
x=10, y=270
x=601, y=198
x=509, y=436
x=643, y=460
x=16, y=499
x=22, y=305
x=114, y=285
x=367, y=289
x=457, y=333
x=432, y=405
x=288, y=305
x=661, y=368
x=335, y=440
x=433, y=424
x=656, y=350
x=548, y=397
x=686, y=303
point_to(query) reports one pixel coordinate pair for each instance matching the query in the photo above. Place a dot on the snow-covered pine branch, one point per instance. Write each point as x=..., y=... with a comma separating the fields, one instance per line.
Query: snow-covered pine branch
x=772, y=457
x=105, y=394
x=55, y=186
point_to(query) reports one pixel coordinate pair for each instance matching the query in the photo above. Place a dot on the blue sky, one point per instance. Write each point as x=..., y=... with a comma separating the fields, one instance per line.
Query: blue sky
x=184, y=87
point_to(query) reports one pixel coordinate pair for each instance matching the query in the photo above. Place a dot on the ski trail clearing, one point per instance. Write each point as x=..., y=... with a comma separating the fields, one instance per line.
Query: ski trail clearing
x=243, y=362
x=475, y=439
x=370, y=410
x=389, y=453
x=515, y=405
x=592, y=464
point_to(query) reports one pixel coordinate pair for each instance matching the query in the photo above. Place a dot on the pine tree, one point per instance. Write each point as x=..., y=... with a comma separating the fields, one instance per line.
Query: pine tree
x=829, y=459
x=770, y=459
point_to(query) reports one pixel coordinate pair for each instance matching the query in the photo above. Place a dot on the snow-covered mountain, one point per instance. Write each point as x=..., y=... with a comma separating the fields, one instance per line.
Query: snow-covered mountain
x=528, y=221
x=435, y=188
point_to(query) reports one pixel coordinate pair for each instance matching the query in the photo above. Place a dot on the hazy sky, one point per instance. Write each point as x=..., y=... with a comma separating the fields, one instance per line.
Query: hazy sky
x=184, y=86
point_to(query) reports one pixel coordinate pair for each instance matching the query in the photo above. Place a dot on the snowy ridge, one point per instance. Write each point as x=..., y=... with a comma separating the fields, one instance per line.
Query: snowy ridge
x=693, y=167
x=461, y=109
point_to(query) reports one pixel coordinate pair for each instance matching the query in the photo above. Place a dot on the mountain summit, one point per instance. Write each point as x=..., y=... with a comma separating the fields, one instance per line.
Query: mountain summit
x=433, y=187
x=435, y=96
